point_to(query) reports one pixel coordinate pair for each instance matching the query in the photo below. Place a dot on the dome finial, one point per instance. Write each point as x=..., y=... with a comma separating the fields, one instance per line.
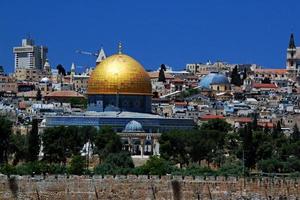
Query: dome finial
x=120, y=48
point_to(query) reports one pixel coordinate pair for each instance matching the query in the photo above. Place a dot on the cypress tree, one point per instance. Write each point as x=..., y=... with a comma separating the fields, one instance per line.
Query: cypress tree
x=38, y=95
x=33, y=142
x=296, y=134
x=161, y=76
x=235, y=77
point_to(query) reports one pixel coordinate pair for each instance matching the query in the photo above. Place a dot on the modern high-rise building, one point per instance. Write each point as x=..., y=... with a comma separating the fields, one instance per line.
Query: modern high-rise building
x=29, y=56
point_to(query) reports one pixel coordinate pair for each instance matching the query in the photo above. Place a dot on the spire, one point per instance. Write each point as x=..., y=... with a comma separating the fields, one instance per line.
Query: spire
x=101, y=56
x=120, y=48
x=73, y=68
x=292, y=42
x=47, y=66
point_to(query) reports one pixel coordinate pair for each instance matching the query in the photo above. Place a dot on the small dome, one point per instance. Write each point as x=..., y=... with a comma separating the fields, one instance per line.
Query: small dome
x=213, y=79
x=133, y=127
x=45, y=80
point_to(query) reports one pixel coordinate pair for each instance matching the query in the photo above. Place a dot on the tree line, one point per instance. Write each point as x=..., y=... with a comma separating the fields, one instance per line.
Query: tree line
x=214, y=148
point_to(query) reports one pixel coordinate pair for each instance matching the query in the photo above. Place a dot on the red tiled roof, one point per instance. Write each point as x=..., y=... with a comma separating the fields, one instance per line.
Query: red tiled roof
x=66, y=93
x=22, y=105
x=192, y=77
x=264, y=85
x=177, y=80
x=265, y=124
x=271, y=71
x=210, y=116
x=180, y=103
x=243, y=120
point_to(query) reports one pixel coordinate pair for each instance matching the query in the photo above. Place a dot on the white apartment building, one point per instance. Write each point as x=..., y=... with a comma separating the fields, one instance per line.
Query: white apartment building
x=29, y=56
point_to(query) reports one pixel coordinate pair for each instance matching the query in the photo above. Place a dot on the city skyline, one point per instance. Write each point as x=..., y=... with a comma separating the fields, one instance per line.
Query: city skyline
x=154, y=33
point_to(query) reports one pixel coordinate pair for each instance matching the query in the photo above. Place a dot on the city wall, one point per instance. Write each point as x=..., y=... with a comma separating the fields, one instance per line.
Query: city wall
x=146, y=187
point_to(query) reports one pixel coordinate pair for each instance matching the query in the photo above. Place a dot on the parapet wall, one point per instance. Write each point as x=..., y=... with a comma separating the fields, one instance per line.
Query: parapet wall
x=146, y=187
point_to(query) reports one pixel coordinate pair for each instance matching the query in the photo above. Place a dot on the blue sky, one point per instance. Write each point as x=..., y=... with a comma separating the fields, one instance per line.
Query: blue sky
x=153, y=32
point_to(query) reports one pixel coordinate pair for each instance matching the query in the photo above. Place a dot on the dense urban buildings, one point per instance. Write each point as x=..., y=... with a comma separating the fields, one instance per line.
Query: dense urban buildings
x=143, y=108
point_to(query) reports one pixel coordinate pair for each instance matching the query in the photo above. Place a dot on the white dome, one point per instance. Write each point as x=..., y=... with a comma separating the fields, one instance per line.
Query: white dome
x=45, y=80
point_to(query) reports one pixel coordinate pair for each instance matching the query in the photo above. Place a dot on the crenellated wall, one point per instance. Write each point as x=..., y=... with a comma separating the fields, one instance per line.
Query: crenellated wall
x=146, y=187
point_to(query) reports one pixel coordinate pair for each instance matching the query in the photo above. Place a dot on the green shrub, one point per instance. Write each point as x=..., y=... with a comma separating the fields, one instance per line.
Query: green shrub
x=156, y=166
x=232, y=169
x=77, y=165
x=116, y=163
x=7, y=169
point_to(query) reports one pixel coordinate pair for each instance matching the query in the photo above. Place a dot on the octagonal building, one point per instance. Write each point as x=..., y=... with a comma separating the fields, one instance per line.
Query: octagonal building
x=119, y=83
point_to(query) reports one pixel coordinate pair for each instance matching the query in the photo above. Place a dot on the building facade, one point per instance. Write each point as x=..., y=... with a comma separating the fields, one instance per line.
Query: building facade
x=30, y=56
x=293, y=58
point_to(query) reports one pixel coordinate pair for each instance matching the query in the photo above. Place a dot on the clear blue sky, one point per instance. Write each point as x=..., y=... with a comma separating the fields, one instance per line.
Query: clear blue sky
x=153, y=32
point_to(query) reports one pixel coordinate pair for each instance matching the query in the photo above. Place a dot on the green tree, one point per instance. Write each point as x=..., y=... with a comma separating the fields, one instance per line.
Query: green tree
x=161, y=76
x=217, y=125
x=296, y=133
x=18, y=147
x=77, y=165
x=88, y=133
x=74, y=139
x=5, y=135
x=174, y=146
x=116, y=163
x=201, y=145
x=33, y=142
x=262, y=143
x=216, y=131
x=269, y=165
x=157, y=166
x=61, y=70
x=245, y=74
x=235, y=77
x=277, y=132
x=62, y=142
x=106, y=142
x=54, y=145
x=254, y=122
x=266, y=80
x=248, y=150
x=38, y=94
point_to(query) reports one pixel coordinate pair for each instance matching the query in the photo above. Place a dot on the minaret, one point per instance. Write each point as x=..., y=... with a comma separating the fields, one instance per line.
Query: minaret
x=291, y=65
x=101, y=56
x=73, y=69
x=72, y=74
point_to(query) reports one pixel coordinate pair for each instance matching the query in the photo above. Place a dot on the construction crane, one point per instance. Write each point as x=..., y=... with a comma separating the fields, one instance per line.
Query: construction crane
x=100, y=54
x=87, y=53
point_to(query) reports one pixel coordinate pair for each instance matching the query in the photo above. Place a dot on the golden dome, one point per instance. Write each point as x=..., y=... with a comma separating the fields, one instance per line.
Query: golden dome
x=120, y=74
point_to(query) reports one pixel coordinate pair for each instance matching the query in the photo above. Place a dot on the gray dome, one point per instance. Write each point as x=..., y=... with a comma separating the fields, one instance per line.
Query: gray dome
x=133, y=127
x=213, y=79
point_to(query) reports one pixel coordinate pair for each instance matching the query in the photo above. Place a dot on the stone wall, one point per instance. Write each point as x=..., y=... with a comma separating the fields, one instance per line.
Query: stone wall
x=146, y=187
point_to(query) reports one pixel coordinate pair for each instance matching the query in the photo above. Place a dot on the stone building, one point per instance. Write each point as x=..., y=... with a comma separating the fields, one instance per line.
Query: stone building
x=137, y=141
x=293, y=58
x=8, y=84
